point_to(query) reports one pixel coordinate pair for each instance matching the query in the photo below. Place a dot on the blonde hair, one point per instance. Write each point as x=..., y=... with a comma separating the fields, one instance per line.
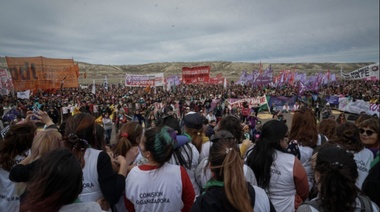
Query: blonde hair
x=44, y=142
x=227, y=166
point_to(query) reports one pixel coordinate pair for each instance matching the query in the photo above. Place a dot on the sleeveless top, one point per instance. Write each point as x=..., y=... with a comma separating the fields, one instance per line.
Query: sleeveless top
x=153, y=190
x=91, y=188
x=9, y=198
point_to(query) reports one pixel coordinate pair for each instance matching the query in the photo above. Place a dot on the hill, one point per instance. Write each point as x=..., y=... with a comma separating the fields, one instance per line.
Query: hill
x=231, y=70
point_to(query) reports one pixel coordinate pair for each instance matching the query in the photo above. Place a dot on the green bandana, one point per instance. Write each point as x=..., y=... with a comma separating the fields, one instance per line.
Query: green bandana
x=212, y=183
x=376, y=160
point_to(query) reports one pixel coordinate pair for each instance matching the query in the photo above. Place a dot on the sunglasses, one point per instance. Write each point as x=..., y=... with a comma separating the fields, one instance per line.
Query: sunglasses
x=368, y=132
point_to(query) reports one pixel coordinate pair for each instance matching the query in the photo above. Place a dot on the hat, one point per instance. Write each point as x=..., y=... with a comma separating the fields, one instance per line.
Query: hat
x=181, y=140
x=221, y=134
x=328, y=104
x=193, y=120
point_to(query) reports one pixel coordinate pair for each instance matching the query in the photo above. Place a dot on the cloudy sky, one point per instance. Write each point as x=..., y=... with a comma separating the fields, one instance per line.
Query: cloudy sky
x=145, y=31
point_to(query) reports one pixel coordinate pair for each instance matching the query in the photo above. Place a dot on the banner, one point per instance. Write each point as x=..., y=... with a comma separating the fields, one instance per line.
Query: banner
x=32, y=73
x=5, y=82
x=216, y=80
x=147, y=80
x=173, y=81
x=280, y=101
x=264, y=78
x=333, y=100
x=23, y=95
x=261, y=100
x=370, y=72
x=358, y=106
x=195, y=75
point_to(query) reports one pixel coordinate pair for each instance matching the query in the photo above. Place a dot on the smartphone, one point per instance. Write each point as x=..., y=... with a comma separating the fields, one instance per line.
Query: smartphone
x=36, y=112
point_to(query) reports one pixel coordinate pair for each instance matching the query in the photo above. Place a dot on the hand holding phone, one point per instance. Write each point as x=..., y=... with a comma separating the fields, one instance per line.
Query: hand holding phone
x=36, y=113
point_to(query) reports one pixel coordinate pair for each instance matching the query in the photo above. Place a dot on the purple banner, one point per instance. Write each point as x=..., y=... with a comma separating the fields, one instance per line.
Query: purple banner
x=264, y=78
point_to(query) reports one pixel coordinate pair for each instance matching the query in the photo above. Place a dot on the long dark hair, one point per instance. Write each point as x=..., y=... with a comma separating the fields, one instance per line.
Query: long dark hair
x=183, y=156
x=17, y=140
x=338, y=173
x=57, y=181
x=80, y=134
x=261, y=157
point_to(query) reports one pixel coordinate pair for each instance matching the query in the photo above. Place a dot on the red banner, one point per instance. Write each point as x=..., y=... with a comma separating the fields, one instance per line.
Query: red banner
x=216, y=80
x=196, y=75
x=32, y=73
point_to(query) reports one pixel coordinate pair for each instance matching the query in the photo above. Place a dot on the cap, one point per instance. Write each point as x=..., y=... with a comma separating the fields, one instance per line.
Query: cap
x=328, y=104
x=193, y=120
x=181, y=140
x=221, y=134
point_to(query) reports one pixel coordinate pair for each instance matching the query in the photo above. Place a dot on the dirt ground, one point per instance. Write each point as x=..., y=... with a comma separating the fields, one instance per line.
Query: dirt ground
x=265, y=116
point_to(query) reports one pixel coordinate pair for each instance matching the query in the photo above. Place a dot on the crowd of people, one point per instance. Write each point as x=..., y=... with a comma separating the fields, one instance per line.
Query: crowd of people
x=173, y=150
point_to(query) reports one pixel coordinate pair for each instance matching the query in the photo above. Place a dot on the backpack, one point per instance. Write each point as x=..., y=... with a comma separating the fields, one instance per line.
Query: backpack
x=365, y=204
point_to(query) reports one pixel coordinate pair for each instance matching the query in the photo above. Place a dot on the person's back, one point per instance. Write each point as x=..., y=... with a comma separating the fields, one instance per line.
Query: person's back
x=151, y=191
x=13, y=149
x=279, y=173
x=91, y=188
x=227, y=190
x=336, y=173
x=158, y=185
x=55, y=185
x=187, y=156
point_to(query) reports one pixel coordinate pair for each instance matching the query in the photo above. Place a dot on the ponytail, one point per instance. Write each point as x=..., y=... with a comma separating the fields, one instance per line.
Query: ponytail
x=338, y=173
x=77, y=145
x=160, y=142
x=227, y=166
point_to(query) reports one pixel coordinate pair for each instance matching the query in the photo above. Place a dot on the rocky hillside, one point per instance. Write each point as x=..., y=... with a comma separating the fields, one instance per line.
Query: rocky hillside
x=231, y=70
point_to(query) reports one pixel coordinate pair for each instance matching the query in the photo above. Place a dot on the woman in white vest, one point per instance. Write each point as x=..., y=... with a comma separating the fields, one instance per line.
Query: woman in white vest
x=304, y=131
x=13, y=149
x=280, y=174
x=228, y=190
x=127, y=141
x=232, y=125
x=99, y=179
x=335, y=174
x=56, y=184
x=347, y=135
x=158, y=185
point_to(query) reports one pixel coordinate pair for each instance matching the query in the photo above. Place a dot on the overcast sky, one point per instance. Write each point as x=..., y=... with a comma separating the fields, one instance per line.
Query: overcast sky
x=145, y=31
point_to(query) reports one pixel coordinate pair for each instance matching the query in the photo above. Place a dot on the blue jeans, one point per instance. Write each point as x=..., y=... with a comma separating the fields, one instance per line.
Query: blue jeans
x=108, y=134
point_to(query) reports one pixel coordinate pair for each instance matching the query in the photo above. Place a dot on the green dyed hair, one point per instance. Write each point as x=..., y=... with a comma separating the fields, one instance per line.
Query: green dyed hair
x=160, y=142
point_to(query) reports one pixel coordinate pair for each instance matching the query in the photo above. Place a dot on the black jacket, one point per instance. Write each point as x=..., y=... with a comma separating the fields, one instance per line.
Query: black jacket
x=215, y=199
